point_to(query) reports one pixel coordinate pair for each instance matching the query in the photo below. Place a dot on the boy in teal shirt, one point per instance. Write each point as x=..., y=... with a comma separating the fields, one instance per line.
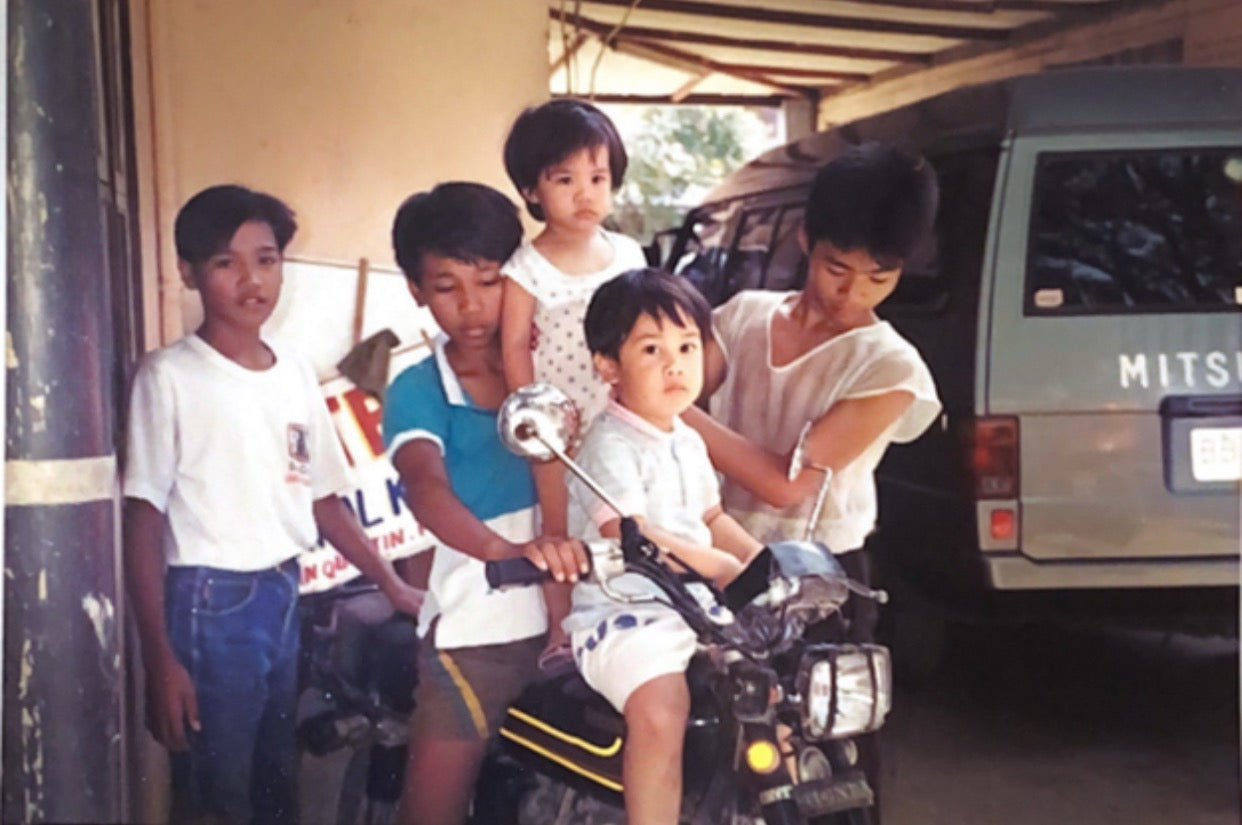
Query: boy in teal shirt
x=479, y=648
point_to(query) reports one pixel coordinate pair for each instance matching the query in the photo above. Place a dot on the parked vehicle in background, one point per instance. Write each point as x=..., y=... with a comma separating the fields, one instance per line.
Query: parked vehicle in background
x=1079, y=309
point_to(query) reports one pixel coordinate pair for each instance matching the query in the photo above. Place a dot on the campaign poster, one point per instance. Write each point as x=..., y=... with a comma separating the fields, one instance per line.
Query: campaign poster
x=377, y=501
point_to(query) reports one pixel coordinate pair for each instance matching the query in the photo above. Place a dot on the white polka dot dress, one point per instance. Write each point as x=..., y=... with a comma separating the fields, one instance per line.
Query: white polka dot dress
x=560, y=357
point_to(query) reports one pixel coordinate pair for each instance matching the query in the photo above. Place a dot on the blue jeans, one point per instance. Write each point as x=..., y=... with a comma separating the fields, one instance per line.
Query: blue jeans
x=237, y=635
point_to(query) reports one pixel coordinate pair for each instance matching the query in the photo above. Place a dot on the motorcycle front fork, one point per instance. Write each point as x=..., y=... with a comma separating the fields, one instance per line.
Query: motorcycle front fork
x=765, y=759
x=773, y=781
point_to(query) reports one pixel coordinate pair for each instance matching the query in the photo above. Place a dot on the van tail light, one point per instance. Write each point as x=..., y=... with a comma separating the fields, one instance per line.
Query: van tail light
x=993, y=445
x=1002, y=525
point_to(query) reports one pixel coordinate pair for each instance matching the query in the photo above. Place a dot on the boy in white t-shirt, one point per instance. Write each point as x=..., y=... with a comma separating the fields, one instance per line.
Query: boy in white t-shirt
x=233, y=470
x=781, y=361
x=645, y=329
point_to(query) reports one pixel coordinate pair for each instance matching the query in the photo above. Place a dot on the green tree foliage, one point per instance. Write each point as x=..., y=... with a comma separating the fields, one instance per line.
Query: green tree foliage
x=677, y=154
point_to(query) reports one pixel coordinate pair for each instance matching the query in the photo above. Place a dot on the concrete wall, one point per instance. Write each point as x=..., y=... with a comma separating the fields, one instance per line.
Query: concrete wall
x=1210, y=31
x=341, y=107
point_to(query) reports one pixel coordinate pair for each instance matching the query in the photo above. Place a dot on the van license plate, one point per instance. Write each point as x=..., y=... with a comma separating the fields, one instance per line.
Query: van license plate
x=1216, y=453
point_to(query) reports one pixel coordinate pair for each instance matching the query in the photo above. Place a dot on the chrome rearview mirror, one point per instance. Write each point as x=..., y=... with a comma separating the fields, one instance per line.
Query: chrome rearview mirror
x=539, y=422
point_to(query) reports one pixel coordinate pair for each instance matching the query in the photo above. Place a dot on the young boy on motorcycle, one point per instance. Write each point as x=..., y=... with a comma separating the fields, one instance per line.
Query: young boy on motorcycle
x=816, y=371
x=645, y=330
x=477, y=649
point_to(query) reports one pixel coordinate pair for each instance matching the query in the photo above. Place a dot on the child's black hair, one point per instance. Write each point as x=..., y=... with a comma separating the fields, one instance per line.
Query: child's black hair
x=463, y=221
x=615, y=307
x=547, y=134
x=876, y=198
x=208, y=221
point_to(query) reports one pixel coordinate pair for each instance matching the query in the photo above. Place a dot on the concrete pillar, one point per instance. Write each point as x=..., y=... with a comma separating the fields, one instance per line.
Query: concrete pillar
x=62, y=654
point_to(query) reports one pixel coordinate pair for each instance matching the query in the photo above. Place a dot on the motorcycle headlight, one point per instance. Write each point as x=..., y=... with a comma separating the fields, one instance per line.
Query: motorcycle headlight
x=751, y=690
x=846, y=689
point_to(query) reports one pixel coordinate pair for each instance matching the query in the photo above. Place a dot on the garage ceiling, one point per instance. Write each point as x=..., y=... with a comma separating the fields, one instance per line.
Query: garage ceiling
x=766, y=51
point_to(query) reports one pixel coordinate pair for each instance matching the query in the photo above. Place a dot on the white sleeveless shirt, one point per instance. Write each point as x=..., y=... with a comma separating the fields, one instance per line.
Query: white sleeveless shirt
x=770, y=405
x=561, y=357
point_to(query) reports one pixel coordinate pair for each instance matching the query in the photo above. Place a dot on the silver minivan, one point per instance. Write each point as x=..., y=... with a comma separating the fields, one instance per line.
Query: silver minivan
x=1079, y=309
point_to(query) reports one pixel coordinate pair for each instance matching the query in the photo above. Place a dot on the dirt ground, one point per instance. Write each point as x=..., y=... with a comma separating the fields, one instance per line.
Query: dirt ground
x=1036, y=725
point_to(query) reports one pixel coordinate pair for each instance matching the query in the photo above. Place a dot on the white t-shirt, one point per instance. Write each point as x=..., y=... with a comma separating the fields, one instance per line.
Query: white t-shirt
x=770, y=406
x=665, y=477
x=561, y=357
x=234, y=457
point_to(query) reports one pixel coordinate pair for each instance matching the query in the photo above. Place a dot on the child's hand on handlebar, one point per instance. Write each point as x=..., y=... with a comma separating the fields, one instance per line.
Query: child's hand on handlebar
x=566, y=559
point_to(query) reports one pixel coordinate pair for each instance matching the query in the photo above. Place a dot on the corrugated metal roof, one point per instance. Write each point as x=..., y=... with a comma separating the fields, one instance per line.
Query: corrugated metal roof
x=764, y=51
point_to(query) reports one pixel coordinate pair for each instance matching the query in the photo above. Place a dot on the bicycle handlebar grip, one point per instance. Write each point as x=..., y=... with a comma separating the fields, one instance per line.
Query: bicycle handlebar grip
x=510, y=572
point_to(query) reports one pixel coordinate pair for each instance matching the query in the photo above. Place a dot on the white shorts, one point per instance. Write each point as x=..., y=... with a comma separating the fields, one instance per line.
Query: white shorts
x=630, y=648
x=635, y=644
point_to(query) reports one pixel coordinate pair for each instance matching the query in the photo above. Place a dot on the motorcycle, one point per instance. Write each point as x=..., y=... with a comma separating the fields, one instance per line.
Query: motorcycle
x=357, y=672
x=769, y=737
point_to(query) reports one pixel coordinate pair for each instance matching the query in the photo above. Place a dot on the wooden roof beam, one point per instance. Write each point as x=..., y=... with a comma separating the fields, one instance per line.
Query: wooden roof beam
x=794, y=71
x=578, y=42
x=703, y=39
x=697, y=64
x=648, y=35
x=987, y=7
x=761, y=14
x=686, y=89
x=691, y=99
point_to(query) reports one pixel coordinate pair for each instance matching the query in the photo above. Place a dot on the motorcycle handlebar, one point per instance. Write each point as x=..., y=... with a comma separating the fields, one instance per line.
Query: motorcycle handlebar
x=512, y=572
x=604, y=556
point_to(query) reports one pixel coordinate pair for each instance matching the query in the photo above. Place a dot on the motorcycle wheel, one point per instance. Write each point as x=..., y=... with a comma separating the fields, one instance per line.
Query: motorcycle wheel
x=548, y=802
x=349, y=804
x=358, y=802
x=857, y=816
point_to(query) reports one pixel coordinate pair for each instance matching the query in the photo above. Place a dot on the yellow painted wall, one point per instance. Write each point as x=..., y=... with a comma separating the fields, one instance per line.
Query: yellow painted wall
x=341, y=107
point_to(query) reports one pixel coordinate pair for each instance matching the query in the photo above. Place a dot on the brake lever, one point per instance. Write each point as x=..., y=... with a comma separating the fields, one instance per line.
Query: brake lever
x=878, y=595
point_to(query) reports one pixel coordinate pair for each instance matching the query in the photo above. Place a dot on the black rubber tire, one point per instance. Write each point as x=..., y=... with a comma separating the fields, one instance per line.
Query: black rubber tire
x=351, y=801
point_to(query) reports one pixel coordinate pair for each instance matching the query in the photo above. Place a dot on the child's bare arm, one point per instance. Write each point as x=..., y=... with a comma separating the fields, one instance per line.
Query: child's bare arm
x=729, y=536
x=171, y=700
x=720, y=566
x=430, y=495
x=715, y=368
x=516, y=318
x=435, y=506
x=338, y=525
x=838, y=437
x=553, y=499
x=517, y=314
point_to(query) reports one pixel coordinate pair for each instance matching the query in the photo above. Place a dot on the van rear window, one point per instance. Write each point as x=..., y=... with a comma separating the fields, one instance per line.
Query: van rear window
x=1136, y=232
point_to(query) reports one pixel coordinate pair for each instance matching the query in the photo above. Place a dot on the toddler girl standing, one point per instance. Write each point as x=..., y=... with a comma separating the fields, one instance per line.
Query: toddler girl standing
x=566, y=159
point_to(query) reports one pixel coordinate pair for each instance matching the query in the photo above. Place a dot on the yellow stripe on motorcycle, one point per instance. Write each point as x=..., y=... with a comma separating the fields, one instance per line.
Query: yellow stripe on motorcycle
x=589, y=747
x=560, y=760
